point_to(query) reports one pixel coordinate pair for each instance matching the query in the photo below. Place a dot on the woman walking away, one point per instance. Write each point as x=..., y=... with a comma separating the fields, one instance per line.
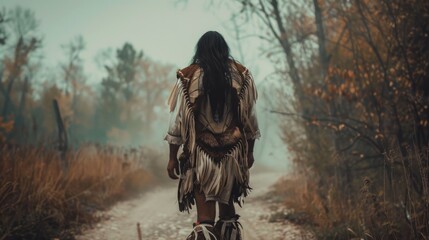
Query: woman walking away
x=213, y=118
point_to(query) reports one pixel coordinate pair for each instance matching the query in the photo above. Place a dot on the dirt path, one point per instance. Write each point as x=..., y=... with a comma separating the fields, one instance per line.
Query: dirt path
x=160, y=219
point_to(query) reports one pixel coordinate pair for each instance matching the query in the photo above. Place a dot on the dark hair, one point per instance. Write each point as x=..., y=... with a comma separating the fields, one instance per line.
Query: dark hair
x=212, y=55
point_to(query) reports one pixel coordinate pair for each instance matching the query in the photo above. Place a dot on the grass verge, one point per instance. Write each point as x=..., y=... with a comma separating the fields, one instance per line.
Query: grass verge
x=38, y=200
x=373, y=207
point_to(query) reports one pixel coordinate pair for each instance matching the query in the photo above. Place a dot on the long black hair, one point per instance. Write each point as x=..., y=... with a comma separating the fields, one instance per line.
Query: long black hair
x=212, y=55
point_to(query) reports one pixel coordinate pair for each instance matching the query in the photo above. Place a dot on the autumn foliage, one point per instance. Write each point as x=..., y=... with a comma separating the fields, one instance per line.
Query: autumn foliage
x=118, y=107
x=58, y=169
x=359, y=110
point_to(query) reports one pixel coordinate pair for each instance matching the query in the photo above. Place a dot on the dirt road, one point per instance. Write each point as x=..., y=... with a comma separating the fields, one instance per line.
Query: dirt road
x=160, y=219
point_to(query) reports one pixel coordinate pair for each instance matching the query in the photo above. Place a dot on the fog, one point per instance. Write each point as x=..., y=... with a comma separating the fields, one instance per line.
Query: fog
x=343, y=108
x=166, y=32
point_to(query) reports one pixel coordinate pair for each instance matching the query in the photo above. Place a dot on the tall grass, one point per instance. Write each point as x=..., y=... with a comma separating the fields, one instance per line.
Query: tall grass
x=376, y=207
x=38, y=200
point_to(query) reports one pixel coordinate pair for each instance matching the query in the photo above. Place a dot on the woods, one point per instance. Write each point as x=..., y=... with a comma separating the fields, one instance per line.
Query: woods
x=65, y=138
x=350, y=89
x=359, y=111
x=129, y=97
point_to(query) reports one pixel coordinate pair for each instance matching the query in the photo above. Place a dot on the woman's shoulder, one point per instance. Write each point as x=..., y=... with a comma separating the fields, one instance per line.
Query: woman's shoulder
x=191, y=77
x=239, y=75
x=238, y=67
x=188, y=72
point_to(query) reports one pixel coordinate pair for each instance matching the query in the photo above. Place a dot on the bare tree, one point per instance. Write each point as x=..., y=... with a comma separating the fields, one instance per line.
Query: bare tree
x=3, y=20
x=73, y=67
x=23, y=25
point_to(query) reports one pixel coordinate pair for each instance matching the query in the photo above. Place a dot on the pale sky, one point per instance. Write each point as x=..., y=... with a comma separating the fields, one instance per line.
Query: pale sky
x=166, y=32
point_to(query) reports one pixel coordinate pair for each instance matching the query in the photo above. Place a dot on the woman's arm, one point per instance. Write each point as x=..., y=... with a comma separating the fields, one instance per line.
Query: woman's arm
x=250, y=158
x=173, y=164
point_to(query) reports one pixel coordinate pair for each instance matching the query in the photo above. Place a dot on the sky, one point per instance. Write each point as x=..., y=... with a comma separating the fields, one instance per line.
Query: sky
x=165, y=30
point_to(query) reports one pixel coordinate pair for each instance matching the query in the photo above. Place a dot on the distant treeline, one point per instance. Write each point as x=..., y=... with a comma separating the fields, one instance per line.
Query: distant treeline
x=120, y=108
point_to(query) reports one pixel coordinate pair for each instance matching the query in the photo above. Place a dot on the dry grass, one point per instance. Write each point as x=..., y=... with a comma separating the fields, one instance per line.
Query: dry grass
x=326, y=215
x=40, y=201
x=368, y=211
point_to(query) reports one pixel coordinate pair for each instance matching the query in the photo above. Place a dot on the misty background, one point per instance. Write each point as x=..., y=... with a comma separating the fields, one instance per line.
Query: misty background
x=79, y=50
x=343, y=108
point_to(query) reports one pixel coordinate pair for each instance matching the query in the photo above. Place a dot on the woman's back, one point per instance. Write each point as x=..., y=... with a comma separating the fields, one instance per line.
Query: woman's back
x=206, y=121
x=213, y=117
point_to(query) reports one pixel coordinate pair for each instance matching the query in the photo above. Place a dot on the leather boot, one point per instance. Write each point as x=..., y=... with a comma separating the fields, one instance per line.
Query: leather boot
x=229, y=229
x=203, y=231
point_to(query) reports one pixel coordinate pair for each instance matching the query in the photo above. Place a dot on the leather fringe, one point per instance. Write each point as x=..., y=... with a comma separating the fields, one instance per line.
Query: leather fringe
x=210, y=176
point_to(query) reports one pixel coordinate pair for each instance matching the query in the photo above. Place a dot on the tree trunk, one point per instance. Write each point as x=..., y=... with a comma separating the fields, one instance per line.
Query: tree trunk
x=323, y=55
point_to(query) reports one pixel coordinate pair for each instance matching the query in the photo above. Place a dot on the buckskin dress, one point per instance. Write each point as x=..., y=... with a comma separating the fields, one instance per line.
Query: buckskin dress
x=214, y=157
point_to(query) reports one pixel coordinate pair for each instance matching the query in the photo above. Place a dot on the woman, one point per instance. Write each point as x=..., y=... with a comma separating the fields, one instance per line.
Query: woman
x=213, y=117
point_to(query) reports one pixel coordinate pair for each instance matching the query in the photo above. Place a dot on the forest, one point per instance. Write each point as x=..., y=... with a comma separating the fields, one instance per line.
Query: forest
x=352, y=97
x=359, y=108
x=123, y=94
x=69, y=147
